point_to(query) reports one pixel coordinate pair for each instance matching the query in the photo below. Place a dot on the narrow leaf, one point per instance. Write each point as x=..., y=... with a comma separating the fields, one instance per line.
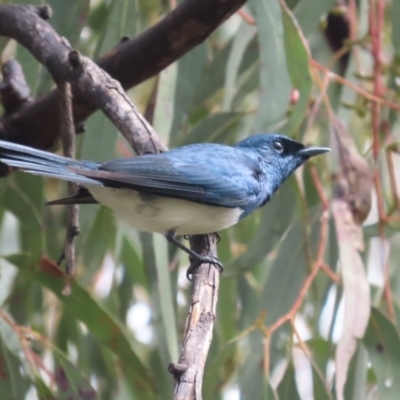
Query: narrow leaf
x=298, y=58
x=242, y=39
x=275, y=85
x=101, y=325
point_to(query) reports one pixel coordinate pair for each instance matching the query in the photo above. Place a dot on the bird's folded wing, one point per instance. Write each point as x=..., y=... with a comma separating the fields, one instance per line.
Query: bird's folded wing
x=159, y=175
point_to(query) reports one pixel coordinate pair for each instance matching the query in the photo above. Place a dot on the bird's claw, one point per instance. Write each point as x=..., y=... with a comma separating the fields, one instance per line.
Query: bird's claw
x=195, y=263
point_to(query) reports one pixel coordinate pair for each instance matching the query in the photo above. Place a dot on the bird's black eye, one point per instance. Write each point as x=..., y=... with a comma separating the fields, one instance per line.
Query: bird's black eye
x=277, y=146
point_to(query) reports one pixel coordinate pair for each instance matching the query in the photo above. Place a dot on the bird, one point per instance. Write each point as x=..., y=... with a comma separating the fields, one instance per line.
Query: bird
x=190, y=190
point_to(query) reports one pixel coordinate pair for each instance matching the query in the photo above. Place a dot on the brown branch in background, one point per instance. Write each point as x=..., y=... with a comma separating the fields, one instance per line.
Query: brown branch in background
x=189, y=370
x=376, y=17
x=362, y=92
x=130, y=63
x=338, y=78
x=68, y=143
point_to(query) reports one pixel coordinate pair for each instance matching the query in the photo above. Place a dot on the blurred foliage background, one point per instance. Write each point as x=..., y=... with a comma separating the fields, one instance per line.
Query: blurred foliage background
x=265, y=69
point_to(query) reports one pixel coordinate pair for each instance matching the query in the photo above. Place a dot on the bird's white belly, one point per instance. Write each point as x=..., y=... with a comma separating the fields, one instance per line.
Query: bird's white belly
x=161, y=214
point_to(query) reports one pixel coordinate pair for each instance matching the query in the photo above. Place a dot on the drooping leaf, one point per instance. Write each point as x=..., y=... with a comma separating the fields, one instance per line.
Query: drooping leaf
x=275, y=85
x=289, y=269
x=297, y=58
x=101, y=325
x=356, y=294
x=242, y=39
x=287, y=389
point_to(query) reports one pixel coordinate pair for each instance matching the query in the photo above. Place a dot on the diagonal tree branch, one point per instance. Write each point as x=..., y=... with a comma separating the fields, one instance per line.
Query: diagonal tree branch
x=130, y=63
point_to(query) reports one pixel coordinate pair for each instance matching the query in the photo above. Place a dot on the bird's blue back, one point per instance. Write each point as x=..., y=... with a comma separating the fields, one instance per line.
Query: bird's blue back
x=208, y=173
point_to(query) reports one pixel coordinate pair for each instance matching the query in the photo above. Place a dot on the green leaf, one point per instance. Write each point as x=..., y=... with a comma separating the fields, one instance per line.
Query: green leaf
x=190, y=70
x=275, y=85
x=395, y=13
x=160, y=247
x=23, y=196
x=270, y=230
x=101, y=325
x=165, y=336
x=117, y=19
x=320, y=350
x=287, y=388
x=355, y=388
x=132, y=263
x=68, y=20
x=383, y=344
x=297, y=58
x=100, y=239
x=13, y=385
x=69, y=380
x=253, y=385
x=164, y=108
x=289, y=269
x=309, y=12
x=16, y=356
x=213, y=77
x=244, y=36
x=213, y=128
x=97, y=144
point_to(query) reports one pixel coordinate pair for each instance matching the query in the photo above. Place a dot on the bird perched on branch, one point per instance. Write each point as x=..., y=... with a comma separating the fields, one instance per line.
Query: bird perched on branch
x=195, y=189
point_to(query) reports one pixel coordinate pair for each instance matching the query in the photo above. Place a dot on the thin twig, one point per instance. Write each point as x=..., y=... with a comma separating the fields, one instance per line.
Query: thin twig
x=374, y=98
x=68, y=142
x=369, y=96
x=376, y=16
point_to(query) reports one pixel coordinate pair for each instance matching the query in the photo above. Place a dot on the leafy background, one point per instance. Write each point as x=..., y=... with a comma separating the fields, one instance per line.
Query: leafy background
x=114, y=336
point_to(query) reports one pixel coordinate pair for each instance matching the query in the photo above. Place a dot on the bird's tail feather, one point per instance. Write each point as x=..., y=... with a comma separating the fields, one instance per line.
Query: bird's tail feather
x=43, y=163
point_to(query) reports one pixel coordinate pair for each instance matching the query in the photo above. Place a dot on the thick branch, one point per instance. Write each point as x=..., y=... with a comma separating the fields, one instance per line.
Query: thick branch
x=130, y=63
x=189, y=370
x=67, y=65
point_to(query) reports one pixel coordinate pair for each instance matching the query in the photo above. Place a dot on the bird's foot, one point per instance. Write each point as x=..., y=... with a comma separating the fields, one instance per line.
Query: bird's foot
x=195, y=263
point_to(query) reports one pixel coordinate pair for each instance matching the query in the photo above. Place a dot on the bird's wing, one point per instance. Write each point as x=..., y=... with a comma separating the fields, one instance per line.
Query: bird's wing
x=224, y=181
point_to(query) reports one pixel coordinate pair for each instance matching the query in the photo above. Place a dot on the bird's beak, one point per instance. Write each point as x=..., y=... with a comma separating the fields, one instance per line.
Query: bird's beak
x=313, y=151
